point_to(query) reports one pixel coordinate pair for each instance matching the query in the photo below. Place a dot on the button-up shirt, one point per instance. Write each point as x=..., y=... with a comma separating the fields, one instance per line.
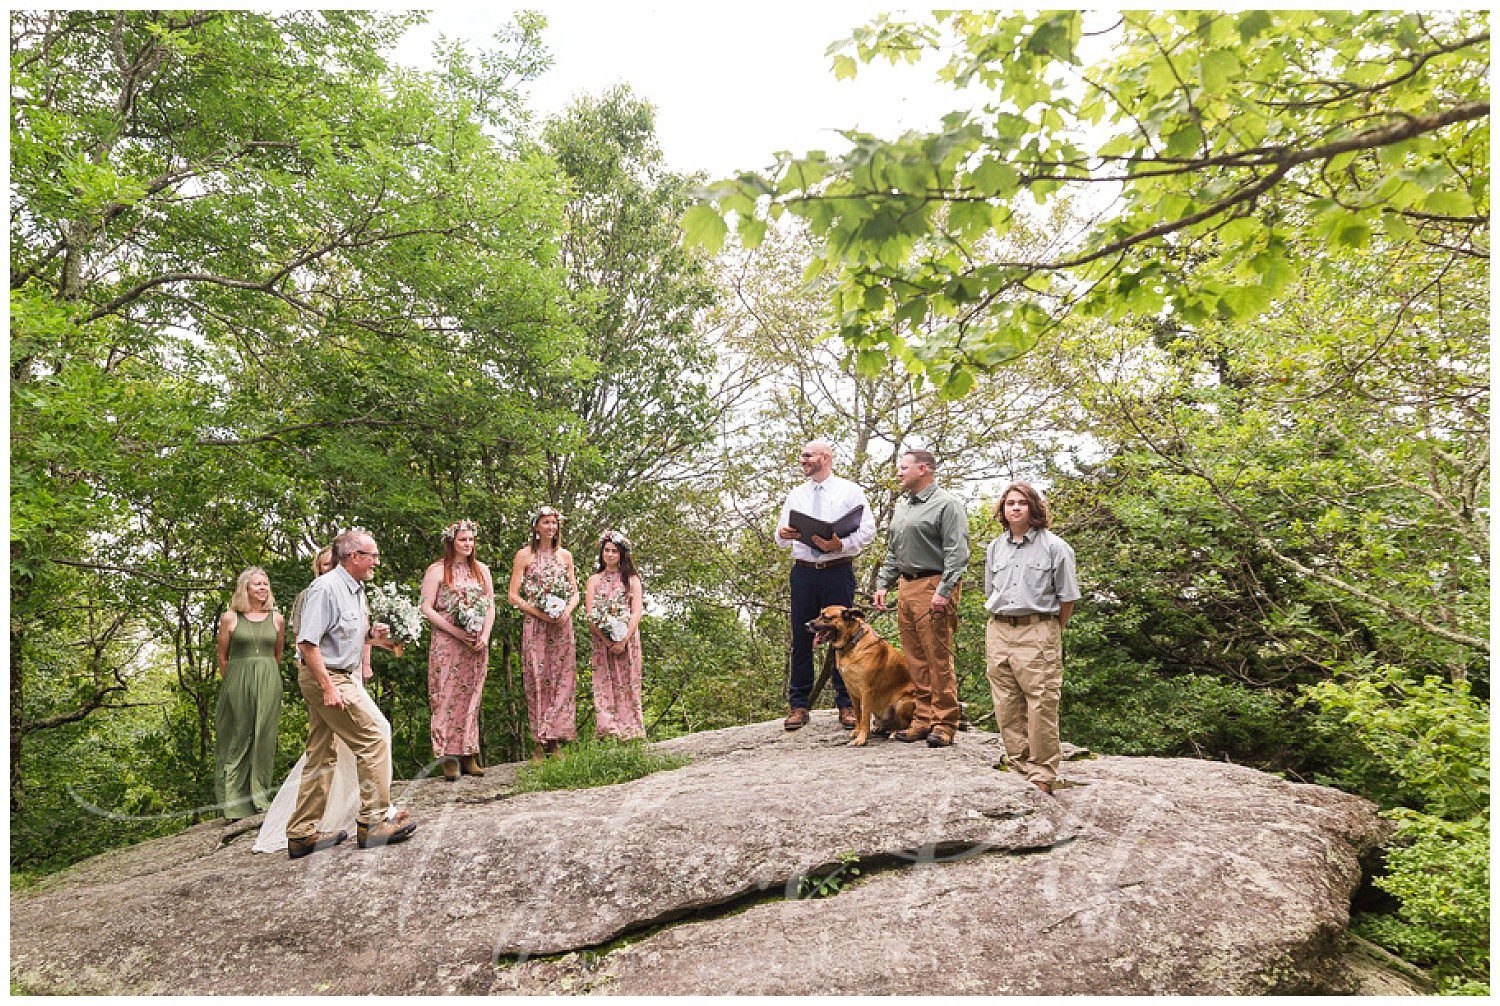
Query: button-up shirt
x=929, y=531
x=828, y=500
x=1031, y=576
x=334, y=619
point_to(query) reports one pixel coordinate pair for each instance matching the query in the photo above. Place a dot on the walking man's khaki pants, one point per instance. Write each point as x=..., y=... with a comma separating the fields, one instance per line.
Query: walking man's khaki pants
x=353, y=724
x=927, y=644
x=1024, y=665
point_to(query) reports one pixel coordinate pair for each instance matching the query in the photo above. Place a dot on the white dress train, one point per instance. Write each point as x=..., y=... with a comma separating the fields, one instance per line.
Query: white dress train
x=342, y=809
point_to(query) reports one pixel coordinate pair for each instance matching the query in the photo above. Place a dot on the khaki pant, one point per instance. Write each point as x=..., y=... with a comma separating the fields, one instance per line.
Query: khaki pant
x=927, y=644
x=1024, y=665
x=354, y=725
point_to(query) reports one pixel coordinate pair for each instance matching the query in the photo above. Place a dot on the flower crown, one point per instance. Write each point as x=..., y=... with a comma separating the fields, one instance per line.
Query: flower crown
x=615, y=538
x=545, y=511
x=453, y=530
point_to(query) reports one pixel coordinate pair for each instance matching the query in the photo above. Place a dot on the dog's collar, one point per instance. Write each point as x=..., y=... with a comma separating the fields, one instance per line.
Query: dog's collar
x=857, y=637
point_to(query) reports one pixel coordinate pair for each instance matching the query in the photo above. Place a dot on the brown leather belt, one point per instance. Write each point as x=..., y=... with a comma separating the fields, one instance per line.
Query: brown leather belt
x=823, y=565
x=1031, y=619
x=921, y=574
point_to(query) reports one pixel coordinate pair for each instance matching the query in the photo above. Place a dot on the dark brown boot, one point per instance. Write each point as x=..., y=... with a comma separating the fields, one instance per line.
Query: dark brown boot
x=469, y=765
x=296, y=848
x=450, y=769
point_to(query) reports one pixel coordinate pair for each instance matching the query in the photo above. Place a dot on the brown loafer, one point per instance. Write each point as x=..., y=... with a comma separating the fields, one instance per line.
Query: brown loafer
x=909, y=735
x=1045, y=787
x=296, y=848
x=384, y=833
x=469, y=765
x=450, y=770
x=846, y=717
x=796, y=719
x=939, y=739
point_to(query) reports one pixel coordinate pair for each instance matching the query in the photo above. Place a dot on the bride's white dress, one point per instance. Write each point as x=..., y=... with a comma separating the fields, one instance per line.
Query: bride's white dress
x=343, y=793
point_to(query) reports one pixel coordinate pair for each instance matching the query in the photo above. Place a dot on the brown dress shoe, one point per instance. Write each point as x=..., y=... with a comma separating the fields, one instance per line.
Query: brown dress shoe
x=1045, y=787
x=450, y=769
x=909, y=735
x=469, y=765
x=796, y=719
x=846, y=717
x=384, y=833
x=296, y=848
x=939, y=739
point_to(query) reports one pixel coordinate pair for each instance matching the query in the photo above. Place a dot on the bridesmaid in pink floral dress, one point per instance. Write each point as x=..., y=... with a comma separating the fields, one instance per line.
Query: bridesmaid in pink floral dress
x=459, y=655
x=544, y=587
x=613, y=601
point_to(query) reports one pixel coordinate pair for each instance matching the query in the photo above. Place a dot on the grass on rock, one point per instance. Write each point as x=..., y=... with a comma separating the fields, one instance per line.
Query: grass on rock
x=587, y=763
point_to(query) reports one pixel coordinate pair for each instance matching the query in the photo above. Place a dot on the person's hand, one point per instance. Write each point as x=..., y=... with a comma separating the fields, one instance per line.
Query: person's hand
x=833, y=544
x=880, y=600
x=369, y=674
x=788, y=534
x=618, y=647
x=379, y=631
x=941, y=605
x=332, y=699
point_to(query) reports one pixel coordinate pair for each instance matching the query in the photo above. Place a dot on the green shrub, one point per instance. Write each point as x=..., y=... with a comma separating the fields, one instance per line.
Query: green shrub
x=1433, y=737
x=590, y=763
x=1121, y=707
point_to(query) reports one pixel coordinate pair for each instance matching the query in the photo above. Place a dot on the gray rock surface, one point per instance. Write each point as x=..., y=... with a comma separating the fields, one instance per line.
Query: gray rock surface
x=1153, y=876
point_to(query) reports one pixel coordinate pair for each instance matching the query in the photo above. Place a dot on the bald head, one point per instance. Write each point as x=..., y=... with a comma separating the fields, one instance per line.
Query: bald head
x=817, y=459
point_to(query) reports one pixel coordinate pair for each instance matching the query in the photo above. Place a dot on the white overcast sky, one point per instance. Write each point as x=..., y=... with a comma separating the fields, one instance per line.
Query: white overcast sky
x=732, y=84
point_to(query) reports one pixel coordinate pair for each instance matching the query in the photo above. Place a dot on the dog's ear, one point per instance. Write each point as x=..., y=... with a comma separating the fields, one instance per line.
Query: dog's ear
x=853, y=613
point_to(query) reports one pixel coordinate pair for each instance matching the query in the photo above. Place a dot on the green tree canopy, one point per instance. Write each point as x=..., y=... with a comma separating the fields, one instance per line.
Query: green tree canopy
x=1185, y=138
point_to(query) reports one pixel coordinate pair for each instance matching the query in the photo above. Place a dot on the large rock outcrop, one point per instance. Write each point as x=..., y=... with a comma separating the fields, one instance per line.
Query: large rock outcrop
x=1149, y=876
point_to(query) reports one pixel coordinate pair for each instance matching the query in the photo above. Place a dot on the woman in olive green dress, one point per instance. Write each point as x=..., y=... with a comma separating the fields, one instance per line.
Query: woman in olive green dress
x=250, y=638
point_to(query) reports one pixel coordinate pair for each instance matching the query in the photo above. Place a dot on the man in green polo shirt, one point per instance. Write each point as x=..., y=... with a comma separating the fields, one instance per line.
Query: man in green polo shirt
x=929, y=549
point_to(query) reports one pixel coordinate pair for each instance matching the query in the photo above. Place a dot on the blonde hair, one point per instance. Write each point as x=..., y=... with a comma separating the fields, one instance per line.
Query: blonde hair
x=318, y=559
x=241, y=600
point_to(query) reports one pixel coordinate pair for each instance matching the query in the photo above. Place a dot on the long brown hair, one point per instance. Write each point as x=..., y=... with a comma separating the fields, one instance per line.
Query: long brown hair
x=1038, y=512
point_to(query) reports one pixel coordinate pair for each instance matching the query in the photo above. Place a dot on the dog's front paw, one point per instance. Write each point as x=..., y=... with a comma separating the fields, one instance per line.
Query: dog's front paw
x=858, y=742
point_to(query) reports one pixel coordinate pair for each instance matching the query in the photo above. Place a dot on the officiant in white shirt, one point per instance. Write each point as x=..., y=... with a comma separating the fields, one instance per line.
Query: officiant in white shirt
x=823, y=572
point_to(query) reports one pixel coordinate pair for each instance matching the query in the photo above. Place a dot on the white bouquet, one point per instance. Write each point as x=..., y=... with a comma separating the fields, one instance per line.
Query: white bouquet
x=612, y=616
x=467, y=606
x=550, y=592
x=389, y=605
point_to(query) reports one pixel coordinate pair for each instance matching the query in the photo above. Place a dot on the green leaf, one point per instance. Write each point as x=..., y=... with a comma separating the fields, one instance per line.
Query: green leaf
x=871, y=362
x=1449, y=203
x=1219, y=69
x=845, y=67
x=703, y=227
x=751, y=230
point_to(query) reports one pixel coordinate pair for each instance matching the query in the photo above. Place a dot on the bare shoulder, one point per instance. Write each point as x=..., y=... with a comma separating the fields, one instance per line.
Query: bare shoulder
x=229, y=619
x=523, y=556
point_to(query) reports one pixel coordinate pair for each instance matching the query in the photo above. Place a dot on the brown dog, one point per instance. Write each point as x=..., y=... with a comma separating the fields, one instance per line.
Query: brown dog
x=873, y=670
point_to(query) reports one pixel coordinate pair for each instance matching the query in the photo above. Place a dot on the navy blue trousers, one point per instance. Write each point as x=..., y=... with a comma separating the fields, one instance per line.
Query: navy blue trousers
x=812, y=590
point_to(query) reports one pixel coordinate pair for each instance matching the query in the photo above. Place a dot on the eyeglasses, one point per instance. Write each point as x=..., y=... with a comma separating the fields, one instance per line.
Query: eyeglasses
x=372, y=555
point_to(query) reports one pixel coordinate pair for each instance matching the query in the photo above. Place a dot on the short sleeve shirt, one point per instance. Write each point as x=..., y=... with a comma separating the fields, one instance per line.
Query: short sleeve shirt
x=334, y=619
x=1032, y=576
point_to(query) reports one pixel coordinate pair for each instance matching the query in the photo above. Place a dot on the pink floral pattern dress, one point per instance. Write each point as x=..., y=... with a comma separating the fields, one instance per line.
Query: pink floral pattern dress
x=617, y=676
x=549, y=660
x=455, y=684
